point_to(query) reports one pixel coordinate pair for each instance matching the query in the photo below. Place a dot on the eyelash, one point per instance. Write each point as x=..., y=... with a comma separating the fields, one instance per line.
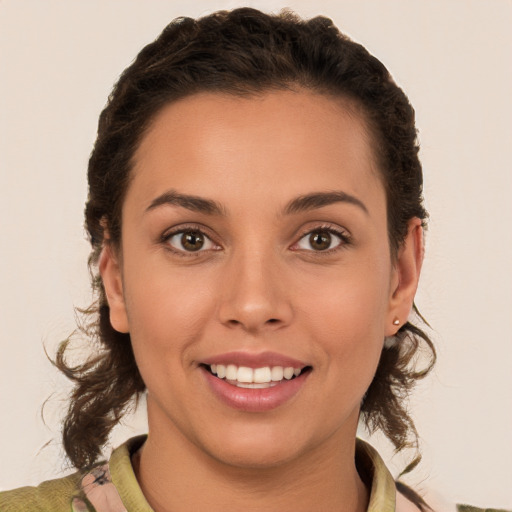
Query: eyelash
x=189, y=228
x=344, y=237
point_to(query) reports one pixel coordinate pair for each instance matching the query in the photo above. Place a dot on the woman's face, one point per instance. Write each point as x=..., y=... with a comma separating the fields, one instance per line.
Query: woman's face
x=254, y=236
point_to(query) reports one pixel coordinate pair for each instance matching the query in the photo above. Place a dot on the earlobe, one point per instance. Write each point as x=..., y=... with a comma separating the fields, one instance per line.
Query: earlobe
x=110, y=272
x=407, y=274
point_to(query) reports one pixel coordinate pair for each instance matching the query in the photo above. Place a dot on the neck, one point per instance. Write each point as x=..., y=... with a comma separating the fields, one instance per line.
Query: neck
x=176, y=476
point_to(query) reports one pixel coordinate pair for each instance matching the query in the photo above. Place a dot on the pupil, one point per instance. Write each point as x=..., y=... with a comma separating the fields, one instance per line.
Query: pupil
x=192, y=241
x=320, y=240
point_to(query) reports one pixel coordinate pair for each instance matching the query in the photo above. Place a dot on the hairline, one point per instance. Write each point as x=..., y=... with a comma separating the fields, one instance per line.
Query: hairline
x=351, y=104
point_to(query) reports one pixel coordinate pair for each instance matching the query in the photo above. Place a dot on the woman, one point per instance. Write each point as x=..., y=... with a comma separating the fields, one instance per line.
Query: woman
x=255, y=213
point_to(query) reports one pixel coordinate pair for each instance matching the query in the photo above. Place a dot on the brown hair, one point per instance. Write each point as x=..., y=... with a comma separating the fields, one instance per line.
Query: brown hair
x=241, y=52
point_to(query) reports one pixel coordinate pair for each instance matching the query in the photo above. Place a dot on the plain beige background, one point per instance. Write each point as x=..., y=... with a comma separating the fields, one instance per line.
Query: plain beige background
x=58, y=61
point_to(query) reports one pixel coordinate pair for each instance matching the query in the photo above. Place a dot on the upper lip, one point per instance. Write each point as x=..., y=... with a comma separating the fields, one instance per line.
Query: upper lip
x=258, y=360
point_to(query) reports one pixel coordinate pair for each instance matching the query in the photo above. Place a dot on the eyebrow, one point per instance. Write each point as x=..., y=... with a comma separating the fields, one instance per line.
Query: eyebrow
x=300, y=204
x=319, y=199
x=193, y=203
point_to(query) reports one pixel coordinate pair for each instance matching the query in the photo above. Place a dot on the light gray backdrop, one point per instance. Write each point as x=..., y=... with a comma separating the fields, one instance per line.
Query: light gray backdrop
x=58, y=61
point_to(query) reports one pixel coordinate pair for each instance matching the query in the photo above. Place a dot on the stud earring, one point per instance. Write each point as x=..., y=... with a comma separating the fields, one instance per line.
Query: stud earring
x=396, y=321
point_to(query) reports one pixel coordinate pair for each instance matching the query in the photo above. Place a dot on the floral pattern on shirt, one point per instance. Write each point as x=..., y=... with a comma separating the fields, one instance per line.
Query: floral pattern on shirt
x=98, y=489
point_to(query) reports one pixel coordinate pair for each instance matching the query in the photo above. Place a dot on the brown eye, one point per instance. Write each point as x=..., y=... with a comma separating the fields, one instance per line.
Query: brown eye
x=192, y=241
x=320, y=240
x=189, y=241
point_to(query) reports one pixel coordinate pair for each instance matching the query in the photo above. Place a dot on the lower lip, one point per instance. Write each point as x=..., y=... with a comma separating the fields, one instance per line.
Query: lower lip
x=255, y=400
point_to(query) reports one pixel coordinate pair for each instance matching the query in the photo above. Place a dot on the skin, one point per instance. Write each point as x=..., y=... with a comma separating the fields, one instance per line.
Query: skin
x=258, y=284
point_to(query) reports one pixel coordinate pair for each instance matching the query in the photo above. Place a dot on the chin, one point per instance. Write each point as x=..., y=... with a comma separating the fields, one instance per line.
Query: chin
x=262, y=447
x=254, y=456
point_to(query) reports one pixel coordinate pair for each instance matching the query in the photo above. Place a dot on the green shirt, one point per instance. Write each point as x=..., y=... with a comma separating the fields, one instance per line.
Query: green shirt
x=112, y=487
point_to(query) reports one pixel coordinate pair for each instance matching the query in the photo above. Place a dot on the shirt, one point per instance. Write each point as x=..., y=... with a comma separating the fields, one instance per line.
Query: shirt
x=112, y=486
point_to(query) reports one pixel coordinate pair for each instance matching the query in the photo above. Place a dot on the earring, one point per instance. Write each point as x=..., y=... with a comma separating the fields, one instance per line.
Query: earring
x=391, y=341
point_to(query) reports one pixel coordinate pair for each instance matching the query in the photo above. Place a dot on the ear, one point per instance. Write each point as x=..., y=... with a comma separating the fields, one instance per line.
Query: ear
x=110, y=272
x=406, y=274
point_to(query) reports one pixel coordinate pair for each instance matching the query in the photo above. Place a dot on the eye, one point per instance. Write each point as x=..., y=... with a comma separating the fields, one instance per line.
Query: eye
x=322, y=239
x=189, y=240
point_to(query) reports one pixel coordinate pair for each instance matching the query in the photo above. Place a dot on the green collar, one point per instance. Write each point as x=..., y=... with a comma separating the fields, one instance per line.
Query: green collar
x=113, y=487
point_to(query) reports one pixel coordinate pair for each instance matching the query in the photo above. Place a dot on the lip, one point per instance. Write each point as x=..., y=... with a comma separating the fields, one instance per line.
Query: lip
x=254, y=400
x=254, y=360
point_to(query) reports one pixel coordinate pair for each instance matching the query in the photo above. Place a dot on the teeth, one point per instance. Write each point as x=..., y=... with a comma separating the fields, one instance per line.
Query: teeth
x=254, y=378
x=244, y=374
x=288, y=372
x=277, y=373
x=220, y=370
x=262, y=375
x=231, y=372
x=255, y=385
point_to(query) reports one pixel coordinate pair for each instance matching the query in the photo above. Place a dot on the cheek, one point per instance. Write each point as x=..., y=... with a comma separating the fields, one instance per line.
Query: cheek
x=347, y=318
x=166, y=310
x=347, y=302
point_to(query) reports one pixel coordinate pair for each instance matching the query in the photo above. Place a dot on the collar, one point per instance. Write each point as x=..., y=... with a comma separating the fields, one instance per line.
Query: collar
x=113, y=487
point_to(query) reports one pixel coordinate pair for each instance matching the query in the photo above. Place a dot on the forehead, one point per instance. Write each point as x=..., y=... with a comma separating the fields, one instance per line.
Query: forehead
x=281, y=143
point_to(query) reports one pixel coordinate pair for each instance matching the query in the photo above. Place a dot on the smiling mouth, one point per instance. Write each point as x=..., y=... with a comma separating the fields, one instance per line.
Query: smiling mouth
x=255, y=378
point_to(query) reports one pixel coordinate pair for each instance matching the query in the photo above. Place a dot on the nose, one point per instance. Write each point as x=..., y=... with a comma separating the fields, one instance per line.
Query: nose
x=254, y=296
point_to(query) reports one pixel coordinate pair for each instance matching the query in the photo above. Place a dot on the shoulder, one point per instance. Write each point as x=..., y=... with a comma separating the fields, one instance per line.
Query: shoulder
x=85, y=491
x=407, y=500
x=469, y=508
x=52, y=496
